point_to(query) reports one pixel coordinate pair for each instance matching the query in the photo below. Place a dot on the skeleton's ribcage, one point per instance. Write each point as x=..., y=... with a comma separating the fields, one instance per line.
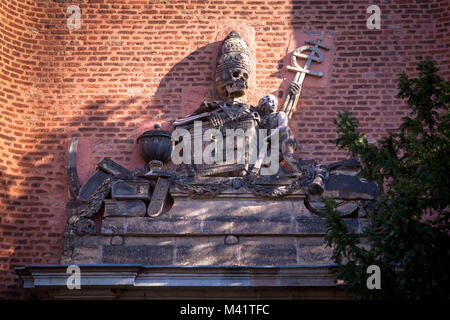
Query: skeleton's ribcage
x=227, y=151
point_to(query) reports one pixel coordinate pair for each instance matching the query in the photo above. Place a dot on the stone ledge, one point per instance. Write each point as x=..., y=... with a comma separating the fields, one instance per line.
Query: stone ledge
x=222, y=226
x=138, y=276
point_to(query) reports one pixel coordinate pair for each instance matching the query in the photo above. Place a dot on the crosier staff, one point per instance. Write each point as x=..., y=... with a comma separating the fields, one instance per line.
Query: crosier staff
x=295, y=87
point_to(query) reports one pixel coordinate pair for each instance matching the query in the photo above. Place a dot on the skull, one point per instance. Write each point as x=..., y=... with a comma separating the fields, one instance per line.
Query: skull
x=233, y=82
x=268, y=104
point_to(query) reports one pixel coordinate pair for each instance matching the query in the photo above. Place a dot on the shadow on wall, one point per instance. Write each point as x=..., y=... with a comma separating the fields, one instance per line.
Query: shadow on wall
x=35, y=196
x=109, y=128
x=106, y=127
x=115, y=128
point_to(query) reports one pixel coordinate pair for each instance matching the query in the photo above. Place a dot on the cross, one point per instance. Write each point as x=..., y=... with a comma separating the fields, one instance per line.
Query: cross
x=316, y=55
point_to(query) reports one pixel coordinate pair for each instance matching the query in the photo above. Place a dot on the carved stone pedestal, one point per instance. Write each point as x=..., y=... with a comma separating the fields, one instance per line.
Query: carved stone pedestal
x=235, y=227
x=218, y=234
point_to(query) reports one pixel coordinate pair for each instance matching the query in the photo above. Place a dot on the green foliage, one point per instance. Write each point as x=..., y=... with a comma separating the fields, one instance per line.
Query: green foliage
x=408, y=235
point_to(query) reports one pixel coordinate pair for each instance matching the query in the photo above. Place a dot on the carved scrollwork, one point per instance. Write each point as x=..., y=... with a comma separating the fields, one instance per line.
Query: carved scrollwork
x=203, y=189
x=80, y=221
x=266, y=190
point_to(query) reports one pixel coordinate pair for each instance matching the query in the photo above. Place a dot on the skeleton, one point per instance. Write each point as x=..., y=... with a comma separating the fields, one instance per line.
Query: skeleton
x=233, y=70
x=232, y=74
x=232, y=83
x=277, y=123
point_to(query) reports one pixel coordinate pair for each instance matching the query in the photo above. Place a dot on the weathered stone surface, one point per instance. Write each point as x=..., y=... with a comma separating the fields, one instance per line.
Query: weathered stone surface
x=183, y=282
x=86, y=255
x=230, y=240
x=159, y=197
x=143, y=254
x=310, y=226
x=117, y=241
x=273, y=251
x=128, y=208
x=234, y=228
x=72, y=206
x=130, y=190
x=314, y=252
x=239, y=207
x=349, y=187
x=347, y=208
x=151, y=227
x=205, y=251
x=72, y=174
x=112, y=167
x=88, y=189
x=345, y=165
x=146, y=226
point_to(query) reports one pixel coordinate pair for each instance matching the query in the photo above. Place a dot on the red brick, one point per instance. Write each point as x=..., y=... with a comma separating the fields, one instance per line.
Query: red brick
x=57, y=83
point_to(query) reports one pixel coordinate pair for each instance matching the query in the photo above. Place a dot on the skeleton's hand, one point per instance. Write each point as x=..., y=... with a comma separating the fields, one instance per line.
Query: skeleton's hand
x=294, y=88
x=216, y=120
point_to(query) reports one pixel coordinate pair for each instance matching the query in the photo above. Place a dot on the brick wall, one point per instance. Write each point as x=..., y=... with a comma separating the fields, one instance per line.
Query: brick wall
x=135, y=62
x=31, y=171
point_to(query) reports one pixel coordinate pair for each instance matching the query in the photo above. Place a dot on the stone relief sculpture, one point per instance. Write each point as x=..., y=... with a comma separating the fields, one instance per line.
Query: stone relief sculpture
x=277, y=123
x=231, y=78
x=233, y=70
x=146, y=191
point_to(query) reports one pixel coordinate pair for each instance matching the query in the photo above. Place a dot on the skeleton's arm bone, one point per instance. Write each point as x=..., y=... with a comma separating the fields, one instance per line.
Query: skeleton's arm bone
x=189, y=119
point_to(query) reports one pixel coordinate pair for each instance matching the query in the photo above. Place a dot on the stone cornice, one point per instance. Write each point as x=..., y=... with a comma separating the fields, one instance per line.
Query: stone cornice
x=141, y=277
